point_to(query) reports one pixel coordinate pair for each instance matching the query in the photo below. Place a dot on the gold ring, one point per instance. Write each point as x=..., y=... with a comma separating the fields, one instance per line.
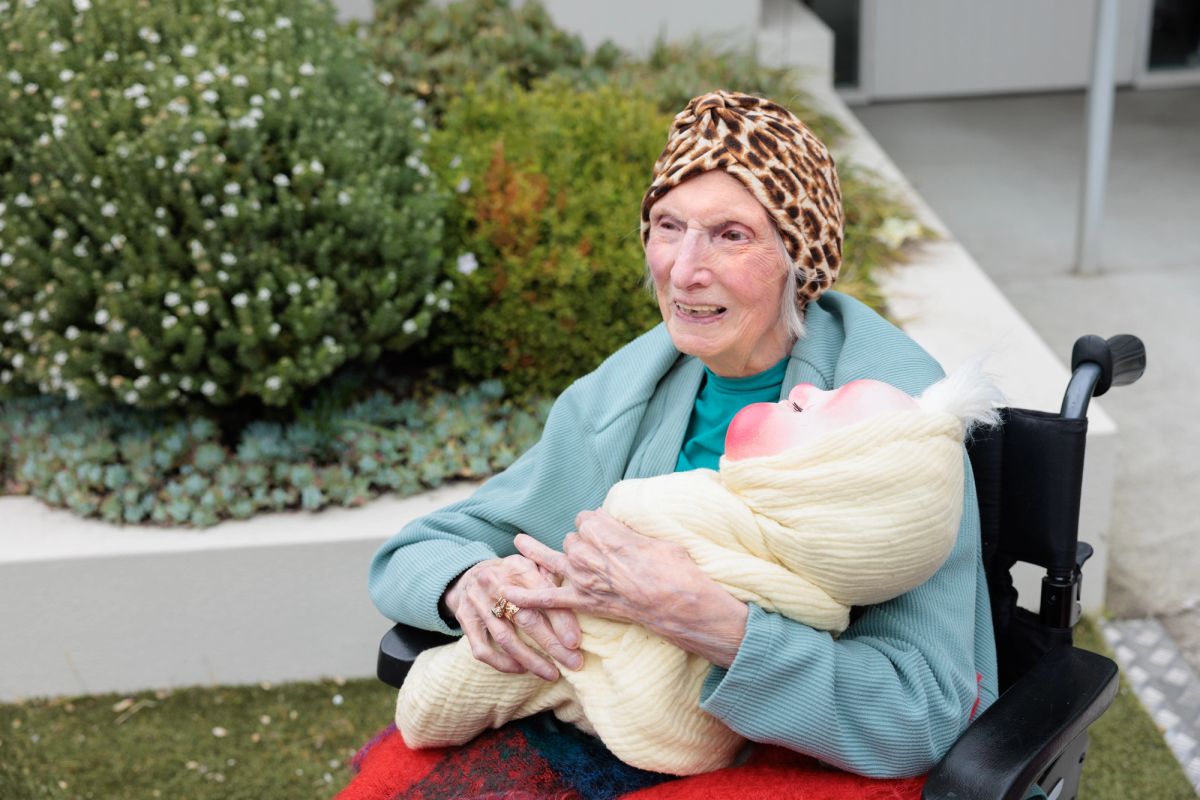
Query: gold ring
x=503, y=609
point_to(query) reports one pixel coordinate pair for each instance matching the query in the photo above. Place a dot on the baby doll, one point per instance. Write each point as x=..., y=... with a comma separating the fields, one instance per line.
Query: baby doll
x=827, y=500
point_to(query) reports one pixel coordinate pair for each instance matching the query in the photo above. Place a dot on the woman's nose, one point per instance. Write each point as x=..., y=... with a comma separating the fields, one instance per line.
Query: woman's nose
x=691, y=267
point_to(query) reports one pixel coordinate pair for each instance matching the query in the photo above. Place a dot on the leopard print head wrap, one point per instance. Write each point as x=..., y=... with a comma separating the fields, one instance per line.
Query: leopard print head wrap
x=778, y=159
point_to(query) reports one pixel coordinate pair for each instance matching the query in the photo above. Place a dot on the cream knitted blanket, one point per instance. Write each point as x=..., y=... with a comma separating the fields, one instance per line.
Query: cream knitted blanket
x=859, y=516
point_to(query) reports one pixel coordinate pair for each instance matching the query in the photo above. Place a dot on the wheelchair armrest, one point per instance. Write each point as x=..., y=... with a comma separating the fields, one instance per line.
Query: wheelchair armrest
x=1005, y=751
x=400, y=646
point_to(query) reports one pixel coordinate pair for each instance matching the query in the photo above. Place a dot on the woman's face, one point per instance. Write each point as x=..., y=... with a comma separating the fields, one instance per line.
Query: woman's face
x=718, y=275
x=765, y=429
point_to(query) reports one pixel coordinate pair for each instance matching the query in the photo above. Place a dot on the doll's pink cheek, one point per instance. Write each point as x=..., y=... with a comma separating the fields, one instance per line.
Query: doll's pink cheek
x=756, y=431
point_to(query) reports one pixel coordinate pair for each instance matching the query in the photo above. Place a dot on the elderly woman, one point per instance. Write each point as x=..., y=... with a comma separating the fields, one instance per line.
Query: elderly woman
x=742, y=226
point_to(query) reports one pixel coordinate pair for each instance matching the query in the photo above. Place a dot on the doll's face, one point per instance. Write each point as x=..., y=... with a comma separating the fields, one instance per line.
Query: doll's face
x=763, y=429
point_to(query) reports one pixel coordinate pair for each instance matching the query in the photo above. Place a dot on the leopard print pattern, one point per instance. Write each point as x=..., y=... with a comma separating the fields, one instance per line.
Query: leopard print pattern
x=778, y=159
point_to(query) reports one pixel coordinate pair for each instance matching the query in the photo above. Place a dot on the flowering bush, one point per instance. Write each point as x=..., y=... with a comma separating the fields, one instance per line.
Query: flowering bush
x=203, y=202
x=543, y=245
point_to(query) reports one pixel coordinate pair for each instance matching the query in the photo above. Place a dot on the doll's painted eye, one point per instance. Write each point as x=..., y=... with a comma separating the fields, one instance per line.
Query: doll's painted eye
x=796, y=406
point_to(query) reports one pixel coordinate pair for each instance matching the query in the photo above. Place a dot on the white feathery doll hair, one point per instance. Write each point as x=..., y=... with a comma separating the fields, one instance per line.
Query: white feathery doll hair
x=968, y=393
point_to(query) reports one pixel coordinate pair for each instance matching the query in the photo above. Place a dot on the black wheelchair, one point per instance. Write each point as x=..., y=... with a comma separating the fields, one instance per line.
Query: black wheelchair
x=1028, y=476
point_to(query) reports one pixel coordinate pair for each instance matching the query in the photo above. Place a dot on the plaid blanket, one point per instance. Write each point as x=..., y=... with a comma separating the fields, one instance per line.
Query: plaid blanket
x=540, y=759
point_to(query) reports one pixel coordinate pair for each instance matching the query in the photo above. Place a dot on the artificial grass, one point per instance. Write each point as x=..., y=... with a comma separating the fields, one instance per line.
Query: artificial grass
x=296, y=741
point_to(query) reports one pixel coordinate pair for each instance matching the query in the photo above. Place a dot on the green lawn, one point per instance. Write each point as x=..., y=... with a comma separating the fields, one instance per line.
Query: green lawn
x=296, y=740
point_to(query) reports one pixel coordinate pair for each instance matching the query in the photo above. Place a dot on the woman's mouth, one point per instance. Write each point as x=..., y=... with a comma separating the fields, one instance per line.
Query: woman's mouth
x=698, y=311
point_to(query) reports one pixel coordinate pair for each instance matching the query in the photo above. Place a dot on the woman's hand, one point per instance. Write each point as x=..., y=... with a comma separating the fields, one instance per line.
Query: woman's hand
x=612, y=571
x=494, y=641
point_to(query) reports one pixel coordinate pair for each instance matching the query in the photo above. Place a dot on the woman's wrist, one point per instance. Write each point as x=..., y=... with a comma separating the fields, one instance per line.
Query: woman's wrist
x=711, y=626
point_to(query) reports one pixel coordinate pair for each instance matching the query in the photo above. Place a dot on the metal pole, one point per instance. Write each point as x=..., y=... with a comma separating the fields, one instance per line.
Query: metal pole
x=1099, y=134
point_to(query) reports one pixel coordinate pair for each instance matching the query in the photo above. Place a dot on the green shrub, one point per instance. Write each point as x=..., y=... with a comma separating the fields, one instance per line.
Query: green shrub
x=434, y=51
x=543, y=245
x=203, y=203
x=125, y=465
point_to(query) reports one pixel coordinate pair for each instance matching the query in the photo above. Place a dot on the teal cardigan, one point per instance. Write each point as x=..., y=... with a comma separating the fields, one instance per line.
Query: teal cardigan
x=886, y=698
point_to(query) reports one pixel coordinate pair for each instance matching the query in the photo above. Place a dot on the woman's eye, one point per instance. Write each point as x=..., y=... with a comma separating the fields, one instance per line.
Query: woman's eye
x=734, y=236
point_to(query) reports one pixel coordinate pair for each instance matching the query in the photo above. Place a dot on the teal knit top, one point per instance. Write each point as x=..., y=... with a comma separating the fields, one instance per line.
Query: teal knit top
x=719, y=399
x=886, y=698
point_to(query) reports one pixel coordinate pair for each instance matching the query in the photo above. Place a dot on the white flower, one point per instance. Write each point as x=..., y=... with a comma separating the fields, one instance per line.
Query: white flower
x=188, y=51
x=209, y=224
x=102, y=317
x=294, y=92
x=240, y=300
x=329, y=342
x=96, y=182
x=222, y=276
x=443, y=304
x=25, y=319
x=142, y=102
x=117, y=241
x=207, y=200
x=221, y=70
x=293, y=288
x=72, y=333
x=58, y=103
x=316, y=166
x=149, y=35
x=466, y=263
x=282, y=180
x=307, y=69
x=5, y=376
x=430, y=299
x=273, y=93
x=109, y=209
x=57, y=47
x=136, y=90
x=180, y=81
x=200, y=307
x=208, y=390
x=256, y=100
x=312, y=283
x=205, y=77
x=60, y=358
x=228, y=259
x=386, y=78
x=418, y=123
x=171, y=299
x=44, y=315
x=198, y=137
x=240, y=81
x=14, y=76
x=80, y=250
x=282, y=22
x=233, y=188
x=160, y=162
x=274, y=329
x=160, y=231
x=23, y=200
x=139, y=362
x=82, y=5
x=235, y=16
x=122, y=150
x=274, y=383
x=455, y=162
x=259, y=34
x=229, y=210
x=148, y=65
x=131, y=397
x=110, y=56
x=409, y=326
x=298, y=169
x=463, y=186
x=18, y=360
x=264, y=294
x=66, y=75
x=178, y=106
x=343, y=198
x=59, y=234
x=142, y=382
x=31, y=88
x=117, y=326
x=209, y=96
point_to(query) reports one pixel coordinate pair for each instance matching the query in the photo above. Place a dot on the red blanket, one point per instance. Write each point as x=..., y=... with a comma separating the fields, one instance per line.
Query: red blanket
x=536, y=760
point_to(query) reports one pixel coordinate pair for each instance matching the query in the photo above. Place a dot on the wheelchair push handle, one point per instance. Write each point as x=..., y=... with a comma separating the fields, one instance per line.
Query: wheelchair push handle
x=1098, y=364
